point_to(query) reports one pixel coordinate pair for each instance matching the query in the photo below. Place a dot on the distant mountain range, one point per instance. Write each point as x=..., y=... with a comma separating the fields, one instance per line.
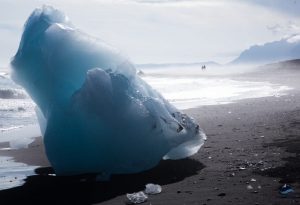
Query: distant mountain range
x=289, y=64
x=166, y=65
x=284, y=49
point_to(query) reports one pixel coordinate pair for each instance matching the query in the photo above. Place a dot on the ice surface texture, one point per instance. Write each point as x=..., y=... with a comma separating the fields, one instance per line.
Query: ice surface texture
x=96, y=114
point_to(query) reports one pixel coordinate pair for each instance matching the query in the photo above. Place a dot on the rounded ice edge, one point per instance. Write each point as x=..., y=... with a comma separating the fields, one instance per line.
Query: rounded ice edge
x=186, y=149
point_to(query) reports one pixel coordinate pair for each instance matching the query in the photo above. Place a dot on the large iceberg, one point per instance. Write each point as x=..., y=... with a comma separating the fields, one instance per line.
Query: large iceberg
x=96, y=114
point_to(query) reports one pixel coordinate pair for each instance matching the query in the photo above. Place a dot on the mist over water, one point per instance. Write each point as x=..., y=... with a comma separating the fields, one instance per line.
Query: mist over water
x=191, y=86
x=192, y=92
x=192, y=70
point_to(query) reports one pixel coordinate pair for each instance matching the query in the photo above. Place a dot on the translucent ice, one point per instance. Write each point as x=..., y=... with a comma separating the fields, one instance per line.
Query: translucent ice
x=137, y=198
x=96, y=114
x=152, y=189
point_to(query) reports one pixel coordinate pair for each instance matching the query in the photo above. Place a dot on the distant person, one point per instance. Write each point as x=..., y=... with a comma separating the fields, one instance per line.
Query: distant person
x=203, y=67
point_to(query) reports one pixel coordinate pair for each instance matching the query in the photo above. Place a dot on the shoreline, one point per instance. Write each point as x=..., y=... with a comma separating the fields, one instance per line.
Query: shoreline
x=253, y=148
x=234, y=154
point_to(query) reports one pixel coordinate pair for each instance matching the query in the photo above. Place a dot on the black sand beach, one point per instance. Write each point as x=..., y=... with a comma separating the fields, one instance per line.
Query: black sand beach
x=253, y=148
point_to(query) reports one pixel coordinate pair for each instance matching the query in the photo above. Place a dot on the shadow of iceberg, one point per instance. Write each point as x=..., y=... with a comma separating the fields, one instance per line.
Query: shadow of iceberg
x=44, y=188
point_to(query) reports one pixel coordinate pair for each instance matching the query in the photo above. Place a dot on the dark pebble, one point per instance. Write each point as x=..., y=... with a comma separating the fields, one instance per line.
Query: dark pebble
x=222, y=194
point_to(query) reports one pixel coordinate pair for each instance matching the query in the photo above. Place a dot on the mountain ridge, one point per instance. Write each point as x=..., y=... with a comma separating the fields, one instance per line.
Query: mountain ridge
x=285, y=49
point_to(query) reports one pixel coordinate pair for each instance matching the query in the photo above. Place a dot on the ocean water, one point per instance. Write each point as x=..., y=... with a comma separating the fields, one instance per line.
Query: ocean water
x=184, y=91
x=16, y=107
x=13, y=174
x=18, y=127
x=190, y=92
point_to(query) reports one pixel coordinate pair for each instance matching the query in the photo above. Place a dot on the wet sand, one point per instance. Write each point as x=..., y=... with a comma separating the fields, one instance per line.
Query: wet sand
x=253, y=148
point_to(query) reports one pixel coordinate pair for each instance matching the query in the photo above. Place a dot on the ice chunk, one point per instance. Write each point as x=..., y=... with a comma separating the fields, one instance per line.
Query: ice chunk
x=137, y=198
x=285, y=189
x=152, y=189
x=97, y=115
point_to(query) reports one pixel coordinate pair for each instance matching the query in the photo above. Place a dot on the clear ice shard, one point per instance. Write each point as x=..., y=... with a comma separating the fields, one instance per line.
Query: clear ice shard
x=153, y=189
x=96, y=114
x=137, y=198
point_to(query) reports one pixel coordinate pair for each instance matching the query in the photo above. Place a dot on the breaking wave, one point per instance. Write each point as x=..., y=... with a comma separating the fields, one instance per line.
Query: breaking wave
x=8, y=93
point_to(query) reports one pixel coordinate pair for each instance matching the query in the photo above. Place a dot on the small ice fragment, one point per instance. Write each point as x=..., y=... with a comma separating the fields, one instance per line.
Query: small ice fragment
x=259, y=187
x=253, y=180
x=260, y=162
x=249, y=187
x=53, y=175
x=242, y=168
x=262, y=136
x=153, y=189
x=285, y=189
x=137, y=198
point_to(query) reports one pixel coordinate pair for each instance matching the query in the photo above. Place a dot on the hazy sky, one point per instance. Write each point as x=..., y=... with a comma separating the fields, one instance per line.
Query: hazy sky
x=162, y=31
